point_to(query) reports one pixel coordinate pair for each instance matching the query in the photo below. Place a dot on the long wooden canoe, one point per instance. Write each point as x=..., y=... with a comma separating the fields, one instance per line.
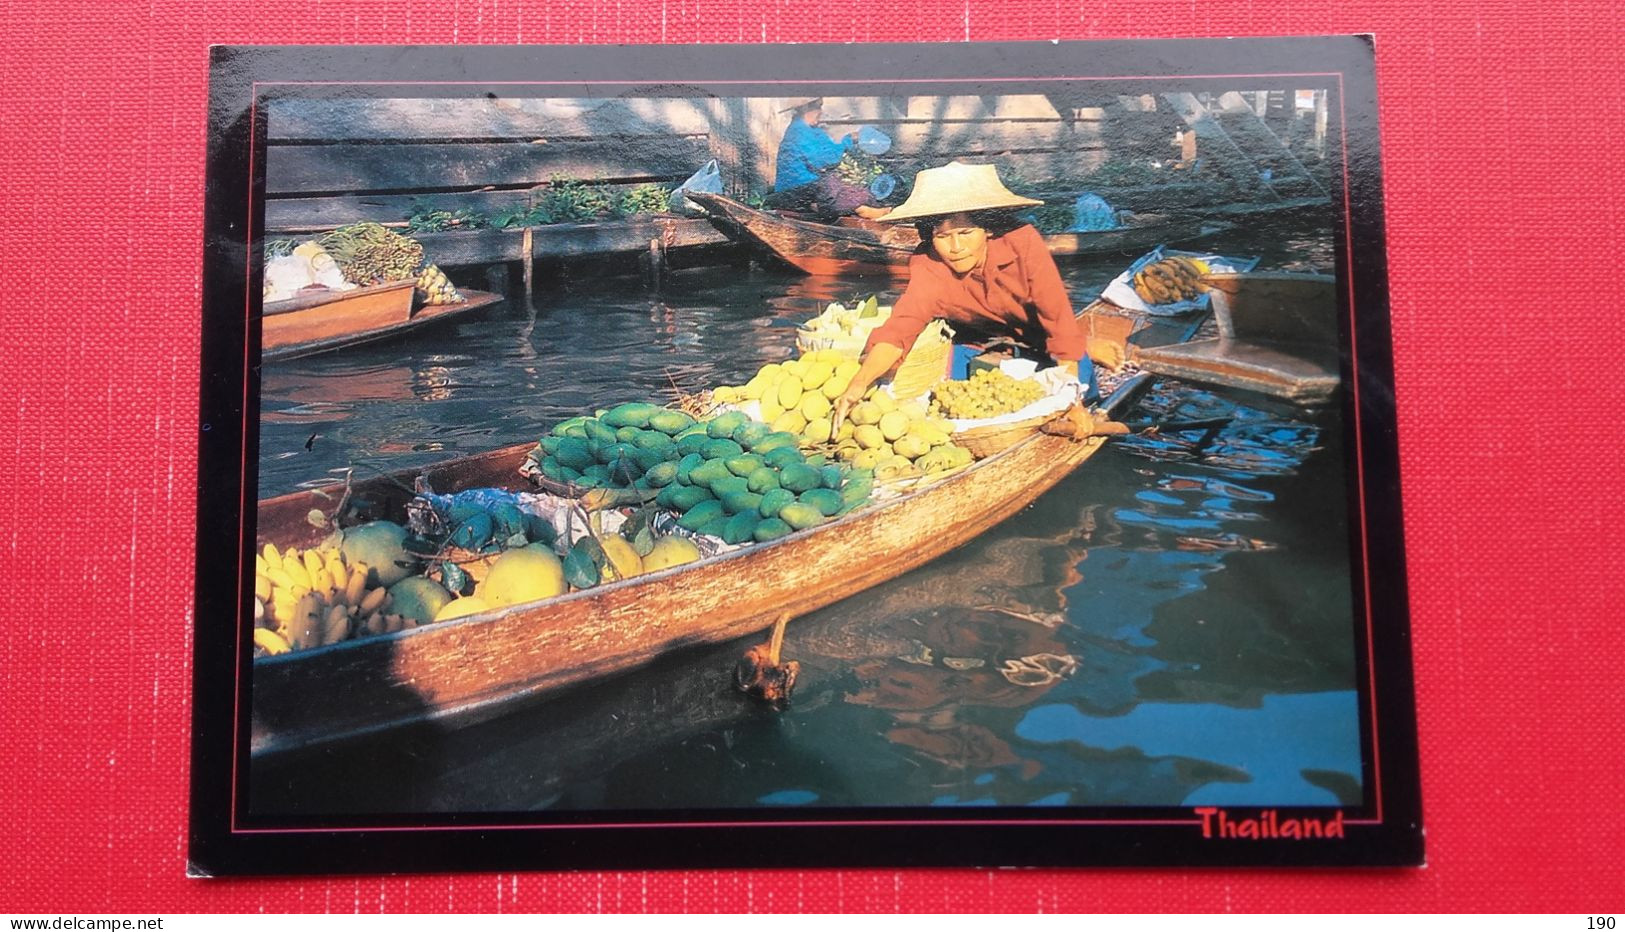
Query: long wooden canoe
x=859, y=247
x=466, y=666
x=1277, y=336
x=324, y=321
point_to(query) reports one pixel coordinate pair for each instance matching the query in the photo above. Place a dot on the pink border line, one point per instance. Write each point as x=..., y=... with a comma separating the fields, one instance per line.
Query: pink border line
x=1365, y=562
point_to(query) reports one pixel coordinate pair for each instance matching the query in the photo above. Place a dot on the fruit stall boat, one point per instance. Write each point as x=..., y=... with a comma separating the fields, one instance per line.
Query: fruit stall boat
x=1277, y=336
x=863, y=247
x=322, y=321
x=471, y=667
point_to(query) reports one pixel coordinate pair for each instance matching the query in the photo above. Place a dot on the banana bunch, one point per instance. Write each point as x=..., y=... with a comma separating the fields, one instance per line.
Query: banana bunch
x=1175, y=278
x=435, y=288
x=310, y=598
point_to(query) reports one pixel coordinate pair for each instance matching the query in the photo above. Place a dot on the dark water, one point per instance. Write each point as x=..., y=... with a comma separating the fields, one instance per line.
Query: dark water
x=1171, y=625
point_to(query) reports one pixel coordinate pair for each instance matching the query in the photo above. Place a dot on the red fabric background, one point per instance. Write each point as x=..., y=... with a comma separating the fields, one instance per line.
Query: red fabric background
x=1503, y=149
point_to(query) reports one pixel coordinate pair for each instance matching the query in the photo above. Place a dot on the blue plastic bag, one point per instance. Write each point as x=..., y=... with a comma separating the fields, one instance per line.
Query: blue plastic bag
x=1091, y=213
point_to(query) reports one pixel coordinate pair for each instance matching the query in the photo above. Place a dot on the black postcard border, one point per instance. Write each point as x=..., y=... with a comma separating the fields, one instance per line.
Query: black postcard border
x=1385, y=831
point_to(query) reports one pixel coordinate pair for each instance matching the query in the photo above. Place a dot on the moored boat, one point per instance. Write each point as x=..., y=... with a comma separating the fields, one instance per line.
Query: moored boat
x=877, y=248
x=322, y=321
x=1277, y=336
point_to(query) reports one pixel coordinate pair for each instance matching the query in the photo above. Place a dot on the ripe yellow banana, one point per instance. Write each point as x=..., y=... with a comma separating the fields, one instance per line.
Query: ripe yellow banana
x=313, y=563
x=336, y=626
x=272, y=555
x=305, y=628
x=262, y=587
x=355, y=588
x=272, y=642
x=295, y=568
x=374, y=600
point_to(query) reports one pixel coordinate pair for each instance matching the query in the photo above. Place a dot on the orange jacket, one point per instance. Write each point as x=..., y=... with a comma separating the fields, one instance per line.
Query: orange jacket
x=1017, y=292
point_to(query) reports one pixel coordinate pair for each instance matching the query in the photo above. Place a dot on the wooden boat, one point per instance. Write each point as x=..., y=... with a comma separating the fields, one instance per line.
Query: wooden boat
x=862, y=247
x=322, y=321
x=466, y=667
x=1277, y=335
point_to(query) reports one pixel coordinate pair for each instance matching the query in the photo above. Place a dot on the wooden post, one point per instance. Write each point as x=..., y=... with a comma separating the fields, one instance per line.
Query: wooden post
x=527, y=248
x=1320, y=123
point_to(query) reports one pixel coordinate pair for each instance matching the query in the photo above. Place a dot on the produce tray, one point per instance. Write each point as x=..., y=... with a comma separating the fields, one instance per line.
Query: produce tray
x=1121, y=290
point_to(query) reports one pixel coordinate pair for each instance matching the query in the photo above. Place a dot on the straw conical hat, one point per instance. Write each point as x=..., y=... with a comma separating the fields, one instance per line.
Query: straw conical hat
x=957, y=188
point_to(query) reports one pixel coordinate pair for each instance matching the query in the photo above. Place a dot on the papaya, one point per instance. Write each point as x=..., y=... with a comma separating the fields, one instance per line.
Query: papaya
x=630, y=414
x=773, y=501
x=827, y=501
x=801, y=515
x=670, y=423
x=550, y=445
x=800, y=478
x=741, y=528
x=817, y=460
x=770, y=529
x=627, y=434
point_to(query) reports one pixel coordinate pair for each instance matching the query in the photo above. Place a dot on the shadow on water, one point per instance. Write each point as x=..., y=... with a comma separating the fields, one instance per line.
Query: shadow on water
x=1171, y=625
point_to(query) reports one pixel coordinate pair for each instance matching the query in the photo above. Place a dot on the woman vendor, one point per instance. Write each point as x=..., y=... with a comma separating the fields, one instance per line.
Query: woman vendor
x=985, y=273
x=805, y=177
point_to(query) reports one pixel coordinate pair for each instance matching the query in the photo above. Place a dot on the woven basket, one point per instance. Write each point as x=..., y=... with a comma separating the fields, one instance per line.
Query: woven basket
x=846, y=344
x=983, y=442
x=927, y=364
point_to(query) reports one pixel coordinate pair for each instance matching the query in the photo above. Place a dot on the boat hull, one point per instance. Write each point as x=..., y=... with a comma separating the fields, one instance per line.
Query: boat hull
x=870, y=249
x=308, y=326
x=462, y=666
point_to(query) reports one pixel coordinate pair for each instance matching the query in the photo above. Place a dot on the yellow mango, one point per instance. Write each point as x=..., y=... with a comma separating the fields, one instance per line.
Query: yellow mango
x=621, y=556
x=790, y=422
x=789, y=391
x=813, y=405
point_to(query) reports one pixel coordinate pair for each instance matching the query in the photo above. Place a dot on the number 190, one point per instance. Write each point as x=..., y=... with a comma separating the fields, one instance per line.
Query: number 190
x=1600, y=922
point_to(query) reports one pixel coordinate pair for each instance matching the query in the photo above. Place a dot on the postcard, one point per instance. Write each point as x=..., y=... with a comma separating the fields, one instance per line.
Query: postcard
x=799, y=455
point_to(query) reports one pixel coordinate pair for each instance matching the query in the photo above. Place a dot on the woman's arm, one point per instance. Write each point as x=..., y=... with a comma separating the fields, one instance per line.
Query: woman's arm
x=1065, y=339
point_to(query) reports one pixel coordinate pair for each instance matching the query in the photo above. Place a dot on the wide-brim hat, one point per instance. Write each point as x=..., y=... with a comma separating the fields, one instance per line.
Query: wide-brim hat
x=958, y=188
x=810, y=103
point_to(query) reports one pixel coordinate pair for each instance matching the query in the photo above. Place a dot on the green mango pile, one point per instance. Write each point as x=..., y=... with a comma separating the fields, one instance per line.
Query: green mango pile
x=629, y=446
x=742, y=481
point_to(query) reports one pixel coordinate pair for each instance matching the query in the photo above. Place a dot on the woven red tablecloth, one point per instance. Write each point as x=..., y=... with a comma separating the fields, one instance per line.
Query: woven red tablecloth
x=1503, y=145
